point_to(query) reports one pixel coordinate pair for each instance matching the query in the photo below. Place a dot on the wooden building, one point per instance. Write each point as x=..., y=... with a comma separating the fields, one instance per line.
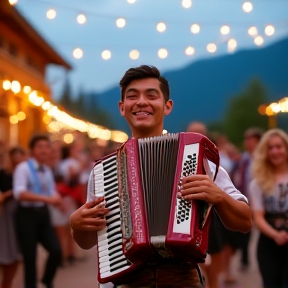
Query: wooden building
x=24, y=55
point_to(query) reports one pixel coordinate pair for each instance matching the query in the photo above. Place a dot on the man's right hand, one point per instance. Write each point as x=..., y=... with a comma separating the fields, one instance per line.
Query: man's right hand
x=281, y=238
x=90, y=216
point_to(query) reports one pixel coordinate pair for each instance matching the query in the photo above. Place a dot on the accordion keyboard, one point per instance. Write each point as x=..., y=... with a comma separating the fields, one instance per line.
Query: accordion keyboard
x=111, y=257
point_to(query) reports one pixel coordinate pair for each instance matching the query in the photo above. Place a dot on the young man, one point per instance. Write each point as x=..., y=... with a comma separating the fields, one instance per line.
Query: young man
x=144, y=104
x=33, y=187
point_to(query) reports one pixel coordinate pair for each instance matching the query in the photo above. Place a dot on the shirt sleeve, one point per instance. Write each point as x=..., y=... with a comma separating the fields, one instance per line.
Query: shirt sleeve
x=256, y=196
x=20, y=179
x=224, y=182
x=90, y=188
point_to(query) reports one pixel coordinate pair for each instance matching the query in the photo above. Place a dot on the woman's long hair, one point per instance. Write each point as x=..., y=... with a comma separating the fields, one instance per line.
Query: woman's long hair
x=262, y=169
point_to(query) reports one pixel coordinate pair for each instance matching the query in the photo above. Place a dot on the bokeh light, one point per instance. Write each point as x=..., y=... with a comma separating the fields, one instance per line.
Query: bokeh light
x=161, y=27
x=51, y=14
x=15, y=87
x=259, y=40
x=81, y=19
x=211, y=48
x=134, y=54
x=13, y=2
x=120, y=22
x=106, y=54
x=78, y=53
x=232, y=44
x=269, y=30
x=162, y=53
x=225, y=30
x=186, y=3
x=247, y=7
x=252, y=31
x=195, y=28
x=189, y=51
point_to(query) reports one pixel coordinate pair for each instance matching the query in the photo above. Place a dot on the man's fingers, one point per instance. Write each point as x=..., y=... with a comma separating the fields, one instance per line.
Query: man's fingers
x=195, y=177
x=196, y=183
x=192, y=190
x=93, y=203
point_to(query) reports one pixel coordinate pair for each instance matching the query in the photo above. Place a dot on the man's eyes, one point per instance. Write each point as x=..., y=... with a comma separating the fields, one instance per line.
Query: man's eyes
x=131, y=96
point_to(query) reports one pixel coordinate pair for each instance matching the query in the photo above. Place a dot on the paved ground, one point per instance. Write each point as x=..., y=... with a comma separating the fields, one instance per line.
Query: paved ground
x=83, y=273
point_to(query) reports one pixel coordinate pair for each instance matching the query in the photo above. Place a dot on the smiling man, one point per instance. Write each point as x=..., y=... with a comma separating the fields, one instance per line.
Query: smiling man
x=144, y=104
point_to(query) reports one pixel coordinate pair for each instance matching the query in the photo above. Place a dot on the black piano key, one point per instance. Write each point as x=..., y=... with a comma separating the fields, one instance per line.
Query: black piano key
x=111, y=203
x=107, y=194
x=114, y=246
x=121, y=266
x=109, y=176
x=112, y=215
x=117, y=261
x=113, y=186
x=108, y=166
x=110, y=242
x=109, y=161
x=107, y=183
x=111, y=257
x=110, y=223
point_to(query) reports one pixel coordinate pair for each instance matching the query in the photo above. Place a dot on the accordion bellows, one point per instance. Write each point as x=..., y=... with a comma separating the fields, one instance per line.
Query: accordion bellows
x=147, y=220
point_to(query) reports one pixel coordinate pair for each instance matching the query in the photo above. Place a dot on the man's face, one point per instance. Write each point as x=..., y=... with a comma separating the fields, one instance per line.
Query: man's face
x=144, y=106
x=250, y=143
x=41, y=151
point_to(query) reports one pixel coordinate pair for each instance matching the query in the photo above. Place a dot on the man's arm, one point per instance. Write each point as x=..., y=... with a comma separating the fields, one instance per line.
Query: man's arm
x=236, y=215
x=86, y=221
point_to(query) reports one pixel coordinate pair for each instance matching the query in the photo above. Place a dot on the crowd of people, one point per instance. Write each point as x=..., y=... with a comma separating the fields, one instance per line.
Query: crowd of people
x=42, y=187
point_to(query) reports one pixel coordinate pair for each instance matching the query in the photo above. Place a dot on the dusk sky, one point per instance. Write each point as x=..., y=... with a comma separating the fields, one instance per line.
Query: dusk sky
x=100, y=33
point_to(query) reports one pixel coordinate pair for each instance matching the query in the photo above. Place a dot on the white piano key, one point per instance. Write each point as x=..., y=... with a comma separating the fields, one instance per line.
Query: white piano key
x=107, y=274
x=107, y=268
x=107, y=252
x=104, y=244
x=109, y=263
x=108, y=257
x=107, y=235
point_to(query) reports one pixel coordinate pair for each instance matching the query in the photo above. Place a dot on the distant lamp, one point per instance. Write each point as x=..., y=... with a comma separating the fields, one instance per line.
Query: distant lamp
x=106, y=54
x=51, y=14
x=120, y=22
x=15, y=87
x=6, y=85
x=78, y=53
x=134, y=54
x=259, y=40
x=225, y=30
x=81, y=19
x=26, y=89
x=247, y=7
x=252, y=31
x=161, y=27
x=195, y=28
x=162, y=53
x=189, y=51
x=13, y=2
x=269, y=30
x=186, y=3
x=211, y=48
x=232, y=44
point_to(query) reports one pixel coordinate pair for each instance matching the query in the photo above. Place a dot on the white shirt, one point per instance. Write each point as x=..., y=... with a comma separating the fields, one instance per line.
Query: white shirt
x=22, y=182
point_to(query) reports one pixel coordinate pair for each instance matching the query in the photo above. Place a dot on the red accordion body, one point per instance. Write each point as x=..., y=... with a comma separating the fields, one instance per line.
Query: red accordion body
x=154, y=221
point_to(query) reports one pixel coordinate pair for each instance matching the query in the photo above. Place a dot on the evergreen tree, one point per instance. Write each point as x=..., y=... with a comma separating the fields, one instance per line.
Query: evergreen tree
x=66, y=99
x=242, y=112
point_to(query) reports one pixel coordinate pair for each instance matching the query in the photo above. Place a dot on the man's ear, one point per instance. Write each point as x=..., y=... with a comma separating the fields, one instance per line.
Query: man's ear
x=121, y=108
x=168, y=107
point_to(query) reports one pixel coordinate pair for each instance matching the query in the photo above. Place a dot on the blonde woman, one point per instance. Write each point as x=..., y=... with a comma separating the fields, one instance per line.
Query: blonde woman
x=269, y=199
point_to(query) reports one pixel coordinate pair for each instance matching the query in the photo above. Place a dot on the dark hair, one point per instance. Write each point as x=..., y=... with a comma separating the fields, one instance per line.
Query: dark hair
x=37, y=138
x=254, y=132
x=15, y=150
x=143, y=72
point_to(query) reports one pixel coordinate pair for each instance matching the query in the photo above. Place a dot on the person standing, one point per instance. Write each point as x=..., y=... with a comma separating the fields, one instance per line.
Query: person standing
x=144, y=104
x=34, y=188
x=9, y=250
x=269, y=200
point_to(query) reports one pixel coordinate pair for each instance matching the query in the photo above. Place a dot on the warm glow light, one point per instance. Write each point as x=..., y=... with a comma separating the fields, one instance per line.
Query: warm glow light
x=225, y=30
x=39, y=101
x=78, y=53
x=120, y=22
x=262, y=109
x=195, y=28
x=13, y=2
x=68, y=138
x=33, y=96
x=269, y=30
x=21, y=116
x=252, y=31
x=27, y=89
x=46, y=105
x=232, y=44
x=6, y=85
x=13, y=119
x=46, y=119
x=211, y=48
x=186, y=3
x=259, y=40
x=162, y=53
x=161, y=27
x=81, y=19
x=15, y=87
x=189, y=51
x=106, y=54
x=275, y=107
x=119, y=136
x=131, y=1
x=51, y=14
x=134, y=54
x=247, y=7
x=164, y=132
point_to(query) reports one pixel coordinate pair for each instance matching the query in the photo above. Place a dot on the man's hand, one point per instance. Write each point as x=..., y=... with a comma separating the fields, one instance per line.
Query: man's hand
x=281, y=238
x=200, y=187
x=54, y=200
x=90, y=216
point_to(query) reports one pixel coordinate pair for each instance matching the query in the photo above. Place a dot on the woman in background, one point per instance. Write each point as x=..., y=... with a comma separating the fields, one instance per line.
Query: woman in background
x=9, y=250
x=269, y=199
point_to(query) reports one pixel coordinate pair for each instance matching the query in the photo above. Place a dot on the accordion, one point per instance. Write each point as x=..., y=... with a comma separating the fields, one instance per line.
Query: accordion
x=146, y=218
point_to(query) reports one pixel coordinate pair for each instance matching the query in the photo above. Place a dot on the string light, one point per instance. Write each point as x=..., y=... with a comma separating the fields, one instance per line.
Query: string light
x=68, y=138
x=161, y=27
x=247, y=7
x=269, y=30
x=195, y=28
x=134, y=54
x=186, y=3
x=189, y=51
x=13, y=119
x=106, y=54
x=232, y=44
x=51, y=14
x=6, y=85
x=46, y=105
x=131, y=1
x=77, y=53
x=13, y=2
x=21, y=116
x=15, y=87
x=225, y=30
x=211, y=48
x=81, y=19
x=252, y=31
x=27, y=89
x=120, y=22
x=259, y=40
x=162, y=53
